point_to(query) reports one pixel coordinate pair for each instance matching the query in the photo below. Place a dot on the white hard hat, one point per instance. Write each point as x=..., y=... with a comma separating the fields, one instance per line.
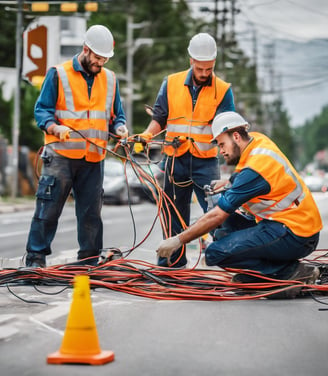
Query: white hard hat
x=226, y=121
x=100, y=40
x=202, y=47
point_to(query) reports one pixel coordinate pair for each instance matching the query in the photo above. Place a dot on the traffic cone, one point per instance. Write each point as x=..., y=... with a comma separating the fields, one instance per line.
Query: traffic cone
x=80, y=342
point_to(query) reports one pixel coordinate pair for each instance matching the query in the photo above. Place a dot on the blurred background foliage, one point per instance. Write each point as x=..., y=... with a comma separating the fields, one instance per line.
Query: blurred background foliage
x=170, y=25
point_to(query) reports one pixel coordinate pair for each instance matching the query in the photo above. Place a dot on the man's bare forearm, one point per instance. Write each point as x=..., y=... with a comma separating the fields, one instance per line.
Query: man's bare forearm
x=153, y=128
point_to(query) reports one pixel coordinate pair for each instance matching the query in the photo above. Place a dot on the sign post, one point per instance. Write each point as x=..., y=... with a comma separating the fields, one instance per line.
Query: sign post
x=15, y=130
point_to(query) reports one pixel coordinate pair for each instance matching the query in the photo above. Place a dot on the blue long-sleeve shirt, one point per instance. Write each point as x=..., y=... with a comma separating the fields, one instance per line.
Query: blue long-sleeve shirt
x=45, y=106
x=246, y=184
x=160, y=110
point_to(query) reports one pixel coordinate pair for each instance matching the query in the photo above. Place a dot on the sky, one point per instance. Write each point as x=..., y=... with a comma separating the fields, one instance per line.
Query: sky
x=294, y=34
x=298, y=20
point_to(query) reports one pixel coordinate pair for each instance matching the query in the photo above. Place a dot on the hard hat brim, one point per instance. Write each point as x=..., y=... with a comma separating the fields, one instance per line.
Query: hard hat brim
x=102, y=54
x=246, y=126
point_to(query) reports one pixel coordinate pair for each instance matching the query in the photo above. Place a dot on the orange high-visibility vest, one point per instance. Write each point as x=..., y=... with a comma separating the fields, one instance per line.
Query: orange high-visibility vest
x=88, y=116
x=289, y=200
x=194, y=124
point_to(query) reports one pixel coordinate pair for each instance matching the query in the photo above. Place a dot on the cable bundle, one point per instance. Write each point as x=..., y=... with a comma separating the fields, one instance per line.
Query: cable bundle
x=143, y=279
x=147, y=280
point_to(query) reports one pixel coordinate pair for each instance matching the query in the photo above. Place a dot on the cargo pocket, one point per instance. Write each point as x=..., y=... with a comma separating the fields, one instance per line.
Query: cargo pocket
x=46, y=187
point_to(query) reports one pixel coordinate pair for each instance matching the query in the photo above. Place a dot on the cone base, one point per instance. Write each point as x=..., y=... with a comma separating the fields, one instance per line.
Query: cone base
x=101, y=358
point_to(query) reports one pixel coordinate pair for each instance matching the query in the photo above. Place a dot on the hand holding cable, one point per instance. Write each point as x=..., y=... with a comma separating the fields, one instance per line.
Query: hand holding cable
x=60, y=131
x=219, y=185
x=168, y=246
x=141, y=140
x=122, y=131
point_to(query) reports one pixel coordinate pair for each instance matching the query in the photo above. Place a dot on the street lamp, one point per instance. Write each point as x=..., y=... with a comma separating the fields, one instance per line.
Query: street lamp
x=132, y=47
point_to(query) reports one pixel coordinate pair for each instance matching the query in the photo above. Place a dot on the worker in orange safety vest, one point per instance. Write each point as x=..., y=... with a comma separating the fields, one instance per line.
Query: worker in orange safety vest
x=79, y=104
x=264, y=218
x=185, y=106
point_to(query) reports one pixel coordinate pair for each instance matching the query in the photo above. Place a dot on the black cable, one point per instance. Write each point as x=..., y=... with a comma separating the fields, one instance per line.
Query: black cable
x=154, y=278
x=51, y=293
x=24, y=300
x=144, y=279
x=318, y=301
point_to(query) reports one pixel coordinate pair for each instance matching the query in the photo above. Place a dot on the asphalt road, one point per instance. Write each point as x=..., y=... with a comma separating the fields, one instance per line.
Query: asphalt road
x=155, y=337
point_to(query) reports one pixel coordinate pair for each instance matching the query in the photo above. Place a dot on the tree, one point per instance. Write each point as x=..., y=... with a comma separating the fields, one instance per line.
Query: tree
x=313, y=136
x=170, y=29
x=7, y=37
x=30, y=134
x=242, y=75
x=6, y=110
x=281, y=132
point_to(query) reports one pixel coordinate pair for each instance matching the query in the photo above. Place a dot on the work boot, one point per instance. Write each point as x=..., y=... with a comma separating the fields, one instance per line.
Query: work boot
x=109, y=254
x=247, y=278
x=306, y=273
x=35, y=260
x=89, y=258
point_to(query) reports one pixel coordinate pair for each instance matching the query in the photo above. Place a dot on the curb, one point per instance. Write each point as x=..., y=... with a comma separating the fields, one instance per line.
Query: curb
x=14, y=207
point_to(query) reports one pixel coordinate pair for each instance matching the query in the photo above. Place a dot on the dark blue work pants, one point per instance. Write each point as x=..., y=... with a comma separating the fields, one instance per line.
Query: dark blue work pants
x=268, y=247
x=59, y=176
x=200, y=172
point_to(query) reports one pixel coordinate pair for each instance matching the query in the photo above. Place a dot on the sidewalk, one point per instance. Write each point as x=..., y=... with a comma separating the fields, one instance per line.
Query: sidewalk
x=10, y=205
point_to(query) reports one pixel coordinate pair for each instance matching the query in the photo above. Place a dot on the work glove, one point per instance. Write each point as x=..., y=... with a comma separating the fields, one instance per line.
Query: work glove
x=169, y=246
x=122, y=131
x=219, y=185
x=60, y=131
x=142, y=139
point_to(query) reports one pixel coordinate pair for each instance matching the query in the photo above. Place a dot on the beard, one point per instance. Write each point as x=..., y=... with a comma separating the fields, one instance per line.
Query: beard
x=201, y=80
x=233, y=160
x=88, y=66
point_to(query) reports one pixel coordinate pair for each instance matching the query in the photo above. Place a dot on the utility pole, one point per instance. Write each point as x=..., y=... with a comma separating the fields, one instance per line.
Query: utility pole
x=216, y=21
x=269, y=59
x=223, y=22
x=129, y=74
x=15, y=130
x=254, y=43
x=227, y=37
x=234, y=11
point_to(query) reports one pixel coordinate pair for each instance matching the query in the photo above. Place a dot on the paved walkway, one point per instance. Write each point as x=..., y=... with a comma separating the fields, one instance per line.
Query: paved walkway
x=9, y=205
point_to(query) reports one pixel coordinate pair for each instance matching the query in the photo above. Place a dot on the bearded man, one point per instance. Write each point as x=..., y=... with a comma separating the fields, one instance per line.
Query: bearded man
x=265, y=218
x=78, y=105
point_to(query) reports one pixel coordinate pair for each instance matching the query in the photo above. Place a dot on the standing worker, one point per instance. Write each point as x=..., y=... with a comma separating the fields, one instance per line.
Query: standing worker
x=279, y=222
x=78, y=103
x=185, y=106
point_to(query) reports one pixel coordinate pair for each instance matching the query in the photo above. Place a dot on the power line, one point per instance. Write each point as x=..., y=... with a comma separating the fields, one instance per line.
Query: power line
x=320, y=13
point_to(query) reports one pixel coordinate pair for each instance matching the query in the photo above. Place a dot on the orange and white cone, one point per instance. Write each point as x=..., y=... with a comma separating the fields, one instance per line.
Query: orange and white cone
x=80, y=342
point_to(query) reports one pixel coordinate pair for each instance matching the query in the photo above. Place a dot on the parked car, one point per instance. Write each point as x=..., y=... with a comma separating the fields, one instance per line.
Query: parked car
x=127, y=184
x=116, y=189
x=315, y=183
x=148, y=189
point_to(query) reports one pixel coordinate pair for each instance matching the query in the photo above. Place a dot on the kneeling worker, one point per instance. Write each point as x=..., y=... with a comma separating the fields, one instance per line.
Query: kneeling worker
x=278, y=222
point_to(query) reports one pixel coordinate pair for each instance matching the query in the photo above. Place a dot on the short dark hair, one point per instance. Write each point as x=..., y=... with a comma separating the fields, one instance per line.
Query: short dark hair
x=241, y=130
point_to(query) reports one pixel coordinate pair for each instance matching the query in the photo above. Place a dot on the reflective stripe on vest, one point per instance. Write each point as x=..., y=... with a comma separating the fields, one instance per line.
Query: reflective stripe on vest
x=71, y=113
x=192, y=122
x=265, y=208
x=289, y=201
x=200, y=134
x=89, y=140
